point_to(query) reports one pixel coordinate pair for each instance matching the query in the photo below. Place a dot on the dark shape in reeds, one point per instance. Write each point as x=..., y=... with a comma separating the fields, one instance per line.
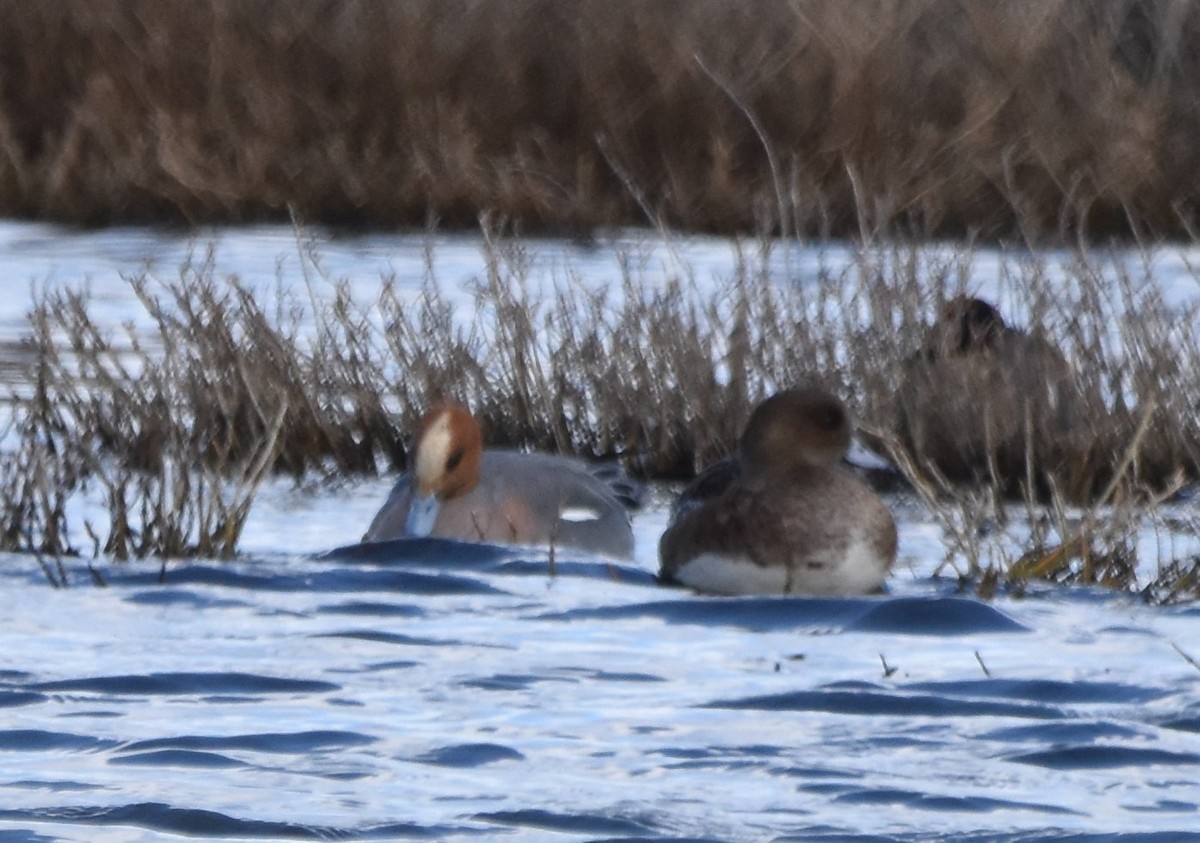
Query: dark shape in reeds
x=985, y=402
x=785, y=519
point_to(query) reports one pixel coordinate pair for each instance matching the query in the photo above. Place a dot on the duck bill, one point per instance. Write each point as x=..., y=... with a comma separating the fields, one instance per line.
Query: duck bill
x=860, y=456
x=422, y=513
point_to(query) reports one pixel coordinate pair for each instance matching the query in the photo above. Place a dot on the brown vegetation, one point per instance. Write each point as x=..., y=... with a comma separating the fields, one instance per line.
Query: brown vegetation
x=178, y=424
x=1026, y=117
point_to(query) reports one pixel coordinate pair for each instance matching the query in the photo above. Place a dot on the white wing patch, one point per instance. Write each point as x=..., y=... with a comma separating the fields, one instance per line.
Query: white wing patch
x=579, y=514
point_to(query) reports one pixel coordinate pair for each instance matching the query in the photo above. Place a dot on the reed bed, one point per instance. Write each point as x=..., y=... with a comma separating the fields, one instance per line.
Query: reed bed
x=1029, y=118
x=176, y=425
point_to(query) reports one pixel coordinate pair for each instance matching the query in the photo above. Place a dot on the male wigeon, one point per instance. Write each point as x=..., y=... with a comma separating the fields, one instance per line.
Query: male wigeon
x=782, y=518
x=456, y=489
x=983, y=400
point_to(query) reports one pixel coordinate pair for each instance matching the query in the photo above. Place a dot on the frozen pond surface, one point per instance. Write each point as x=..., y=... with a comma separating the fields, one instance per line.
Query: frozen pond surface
x=434, y=691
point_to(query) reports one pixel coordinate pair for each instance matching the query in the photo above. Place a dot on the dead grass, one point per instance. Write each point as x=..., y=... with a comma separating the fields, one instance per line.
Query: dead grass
x=175, y=425
x=1030, y=118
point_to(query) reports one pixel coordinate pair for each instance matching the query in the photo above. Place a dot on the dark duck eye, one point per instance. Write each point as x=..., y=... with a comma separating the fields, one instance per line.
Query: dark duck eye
x=456, y=457
x=830, y=418
x=979, y=324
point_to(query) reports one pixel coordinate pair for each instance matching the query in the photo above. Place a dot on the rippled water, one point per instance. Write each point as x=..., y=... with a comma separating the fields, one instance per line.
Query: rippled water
x=428, y=690
x=435, y=691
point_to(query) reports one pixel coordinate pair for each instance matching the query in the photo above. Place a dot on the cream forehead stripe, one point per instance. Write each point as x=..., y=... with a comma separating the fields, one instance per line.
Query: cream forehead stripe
x=433, y=449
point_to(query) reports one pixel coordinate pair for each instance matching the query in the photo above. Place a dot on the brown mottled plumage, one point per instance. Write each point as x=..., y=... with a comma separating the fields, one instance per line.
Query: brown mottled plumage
x=784, y=518
x=981, y=399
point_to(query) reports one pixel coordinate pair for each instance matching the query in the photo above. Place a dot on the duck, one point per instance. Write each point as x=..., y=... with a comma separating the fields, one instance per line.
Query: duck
x=457, y=489
x=984, y=401
x=782, y=517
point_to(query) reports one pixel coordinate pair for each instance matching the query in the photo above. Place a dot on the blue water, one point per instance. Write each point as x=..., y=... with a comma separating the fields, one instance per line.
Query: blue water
x=435, y=691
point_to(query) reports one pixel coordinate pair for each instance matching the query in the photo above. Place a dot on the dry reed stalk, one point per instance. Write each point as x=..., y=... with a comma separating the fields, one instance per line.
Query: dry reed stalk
x=1029, y=118
x=177, y=424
